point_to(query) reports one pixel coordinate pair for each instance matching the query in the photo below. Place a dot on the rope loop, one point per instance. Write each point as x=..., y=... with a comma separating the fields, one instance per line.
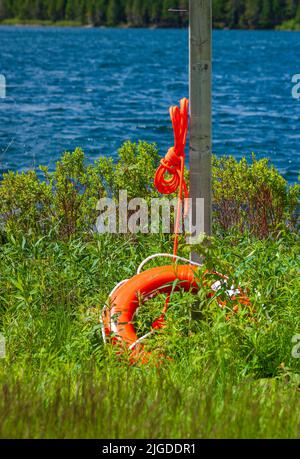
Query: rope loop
x=173, y=163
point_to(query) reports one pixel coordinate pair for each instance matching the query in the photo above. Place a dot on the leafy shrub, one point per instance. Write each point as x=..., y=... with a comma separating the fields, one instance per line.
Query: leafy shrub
x=63, y=201
x=248, y=197
x=25, y=203
x=76, y=189
x=253, y=197
x=133, y=172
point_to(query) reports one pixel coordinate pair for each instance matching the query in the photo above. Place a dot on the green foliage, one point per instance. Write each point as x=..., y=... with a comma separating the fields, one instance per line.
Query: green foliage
x=58, y=379
x=64, y=202
x=247, y=197
x=133, y=172
x=139, y=13
x=292, y=24
x=25, y=203
x=76, y=187
x=253, y=197
x=113, y=13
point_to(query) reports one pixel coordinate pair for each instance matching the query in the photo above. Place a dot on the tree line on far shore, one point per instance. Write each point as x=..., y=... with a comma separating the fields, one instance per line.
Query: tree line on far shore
x=147, y=13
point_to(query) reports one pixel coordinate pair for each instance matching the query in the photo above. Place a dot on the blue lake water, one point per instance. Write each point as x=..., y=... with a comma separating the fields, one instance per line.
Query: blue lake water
x=96, y=88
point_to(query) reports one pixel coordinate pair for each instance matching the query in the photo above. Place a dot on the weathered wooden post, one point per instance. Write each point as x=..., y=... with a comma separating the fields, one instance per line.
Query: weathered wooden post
x=200, y=12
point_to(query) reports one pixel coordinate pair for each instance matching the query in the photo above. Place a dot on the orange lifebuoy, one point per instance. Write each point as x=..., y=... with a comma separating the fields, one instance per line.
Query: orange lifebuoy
x=117, y=317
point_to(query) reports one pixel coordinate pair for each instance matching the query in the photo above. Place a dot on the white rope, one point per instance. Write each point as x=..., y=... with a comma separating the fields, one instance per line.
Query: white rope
x=141, y=339
x=117, y=286
x=102, y=325
x=165, y=255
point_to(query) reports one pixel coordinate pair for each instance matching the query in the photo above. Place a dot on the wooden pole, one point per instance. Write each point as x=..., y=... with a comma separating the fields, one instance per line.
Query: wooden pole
x=200, y=12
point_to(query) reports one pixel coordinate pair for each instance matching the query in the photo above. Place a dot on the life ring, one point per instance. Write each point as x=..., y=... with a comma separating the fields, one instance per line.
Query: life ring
x=118, y=315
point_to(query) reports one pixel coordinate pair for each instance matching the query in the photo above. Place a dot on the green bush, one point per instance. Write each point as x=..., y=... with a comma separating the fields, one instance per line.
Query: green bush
x=247, y=197
x=134, y=171
x=64, y=201
x=25, y=203
x=253, y=197
x=76, y=188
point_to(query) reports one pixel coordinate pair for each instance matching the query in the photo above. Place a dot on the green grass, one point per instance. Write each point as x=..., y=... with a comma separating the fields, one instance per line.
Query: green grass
x=224, y=378
x=183, y=400
x=223, y=375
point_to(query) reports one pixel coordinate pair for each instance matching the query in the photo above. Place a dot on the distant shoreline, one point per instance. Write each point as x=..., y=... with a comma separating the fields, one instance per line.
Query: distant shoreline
x=288, y=26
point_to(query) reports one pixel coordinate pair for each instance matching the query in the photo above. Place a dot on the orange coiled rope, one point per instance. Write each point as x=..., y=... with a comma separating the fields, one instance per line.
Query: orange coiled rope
x=173, y=163
x=174, y=159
